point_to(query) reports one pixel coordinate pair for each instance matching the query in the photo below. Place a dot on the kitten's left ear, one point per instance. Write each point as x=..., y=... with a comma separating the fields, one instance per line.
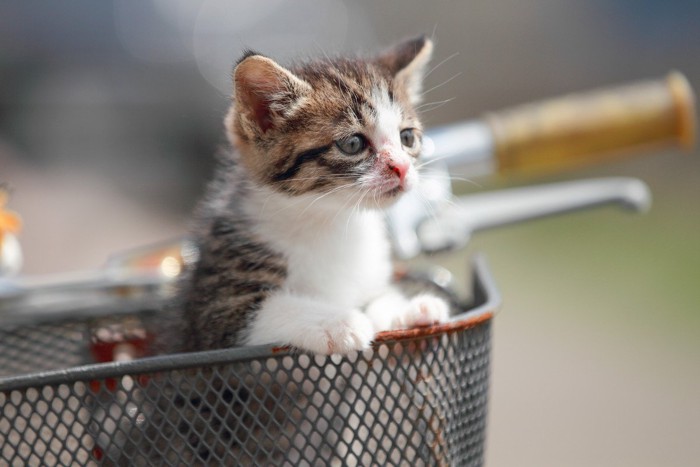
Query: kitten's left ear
x=264, y=90
x=406, y=62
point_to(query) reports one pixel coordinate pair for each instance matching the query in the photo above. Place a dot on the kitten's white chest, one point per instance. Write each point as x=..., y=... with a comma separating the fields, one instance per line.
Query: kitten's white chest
x=345, y=260
x=348, y=265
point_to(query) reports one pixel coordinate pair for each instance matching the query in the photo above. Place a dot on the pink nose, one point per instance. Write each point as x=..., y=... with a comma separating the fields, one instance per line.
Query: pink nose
x=394, y=163
x=399, y=168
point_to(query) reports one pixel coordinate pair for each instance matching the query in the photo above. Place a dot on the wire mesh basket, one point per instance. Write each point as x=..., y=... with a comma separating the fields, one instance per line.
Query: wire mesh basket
x=417, y=396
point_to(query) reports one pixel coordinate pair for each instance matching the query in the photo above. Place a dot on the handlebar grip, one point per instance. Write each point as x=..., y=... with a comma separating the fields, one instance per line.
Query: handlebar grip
x=580, y=128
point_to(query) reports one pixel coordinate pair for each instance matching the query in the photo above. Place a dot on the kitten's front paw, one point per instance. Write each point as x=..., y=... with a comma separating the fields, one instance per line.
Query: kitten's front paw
x=342, y=335
x=425, y=310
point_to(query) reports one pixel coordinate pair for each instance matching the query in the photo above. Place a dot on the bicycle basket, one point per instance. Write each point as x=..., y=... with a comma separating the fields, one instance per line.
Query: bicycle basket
x=417, y=396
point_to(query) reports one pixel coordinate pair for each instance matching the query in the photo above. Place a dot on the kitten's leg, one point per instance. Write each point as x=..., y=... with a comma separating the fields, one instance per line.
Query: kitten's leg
x=310, y=324
x=393, y=310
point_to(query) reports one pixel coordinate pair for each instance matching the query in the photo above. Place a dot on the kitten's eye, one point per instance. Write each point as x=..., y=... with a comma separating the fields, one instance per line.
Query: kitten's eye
x=352, y=145
x=408, y=137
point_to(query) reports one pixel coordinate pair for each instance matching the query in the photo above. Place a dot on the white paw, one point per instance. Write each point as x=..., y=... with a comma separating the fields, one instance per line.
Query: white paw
x=342, y=335
x=425, y=310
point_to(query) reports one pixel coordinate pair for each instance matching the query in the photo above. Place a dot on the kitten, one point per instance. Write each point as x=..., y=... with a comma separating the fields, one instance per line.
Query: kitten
x=292, y=241
x=292, y=250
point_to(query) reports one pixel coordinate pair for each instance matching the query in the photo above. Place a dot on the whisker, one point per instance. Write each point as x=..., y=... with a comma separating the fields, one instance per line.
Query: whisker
x=356, y=208
x=440, y=64
x=435, y=105
x=442, y=84
x=342, y=208
x=429, y=206
x=453, y=178
x=426, y=104
x=433, y=160
x=318, y=198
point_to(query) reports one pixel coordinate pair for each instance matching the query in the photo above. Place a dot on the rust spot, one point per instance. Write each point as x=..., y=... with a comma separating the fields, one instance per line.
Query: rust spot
x=126, y=338
x=95, y=385
x=111, y=384
x=281, y=349
x=97, y=453
x=426, y=331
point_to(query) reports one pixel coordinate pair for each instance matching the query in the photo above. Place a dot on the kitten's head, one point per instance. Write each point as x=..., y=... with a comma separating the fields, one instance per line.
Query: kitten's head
x=344, y=128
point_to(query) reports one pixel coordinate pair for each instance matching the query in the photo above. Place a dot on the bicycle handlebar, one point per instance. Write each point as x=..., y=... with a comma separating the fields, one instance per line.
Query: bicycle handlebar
x=569, y=131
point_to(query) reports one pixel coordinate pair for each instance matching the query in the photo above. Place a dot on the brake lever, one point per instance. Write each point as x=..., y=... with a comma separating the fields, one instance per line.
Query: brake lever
x=453, y=226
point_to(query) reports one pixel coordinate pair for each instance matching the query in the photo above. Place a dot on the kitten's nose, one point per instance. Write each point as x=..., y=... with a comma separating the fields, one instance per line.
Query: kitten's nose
x=400, y=168
x=395, y=163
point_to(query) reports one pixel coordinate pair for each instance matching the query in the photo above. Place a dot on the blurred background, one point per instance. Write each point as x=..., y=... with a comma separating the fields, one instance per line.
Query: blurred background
x=110, y=113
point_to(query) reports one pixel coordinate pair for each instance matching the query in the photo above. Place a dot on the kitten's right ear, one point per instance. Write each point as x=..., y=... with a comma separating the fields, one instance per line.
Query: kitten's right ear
x=407, y=62
x=264, y=90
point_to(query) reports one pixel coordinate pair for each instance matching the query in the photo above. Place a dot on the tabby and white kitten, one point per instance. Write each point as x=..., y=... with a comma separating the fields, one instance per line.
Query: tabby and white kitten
x=293, y=248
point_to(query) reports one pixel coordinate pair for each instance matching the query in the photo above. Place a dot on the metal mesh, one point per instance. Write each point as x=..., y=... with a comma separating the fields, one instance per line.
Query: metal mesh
x=26, y=349
x=421, y=400
x=63, y=343
x=419, y=396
